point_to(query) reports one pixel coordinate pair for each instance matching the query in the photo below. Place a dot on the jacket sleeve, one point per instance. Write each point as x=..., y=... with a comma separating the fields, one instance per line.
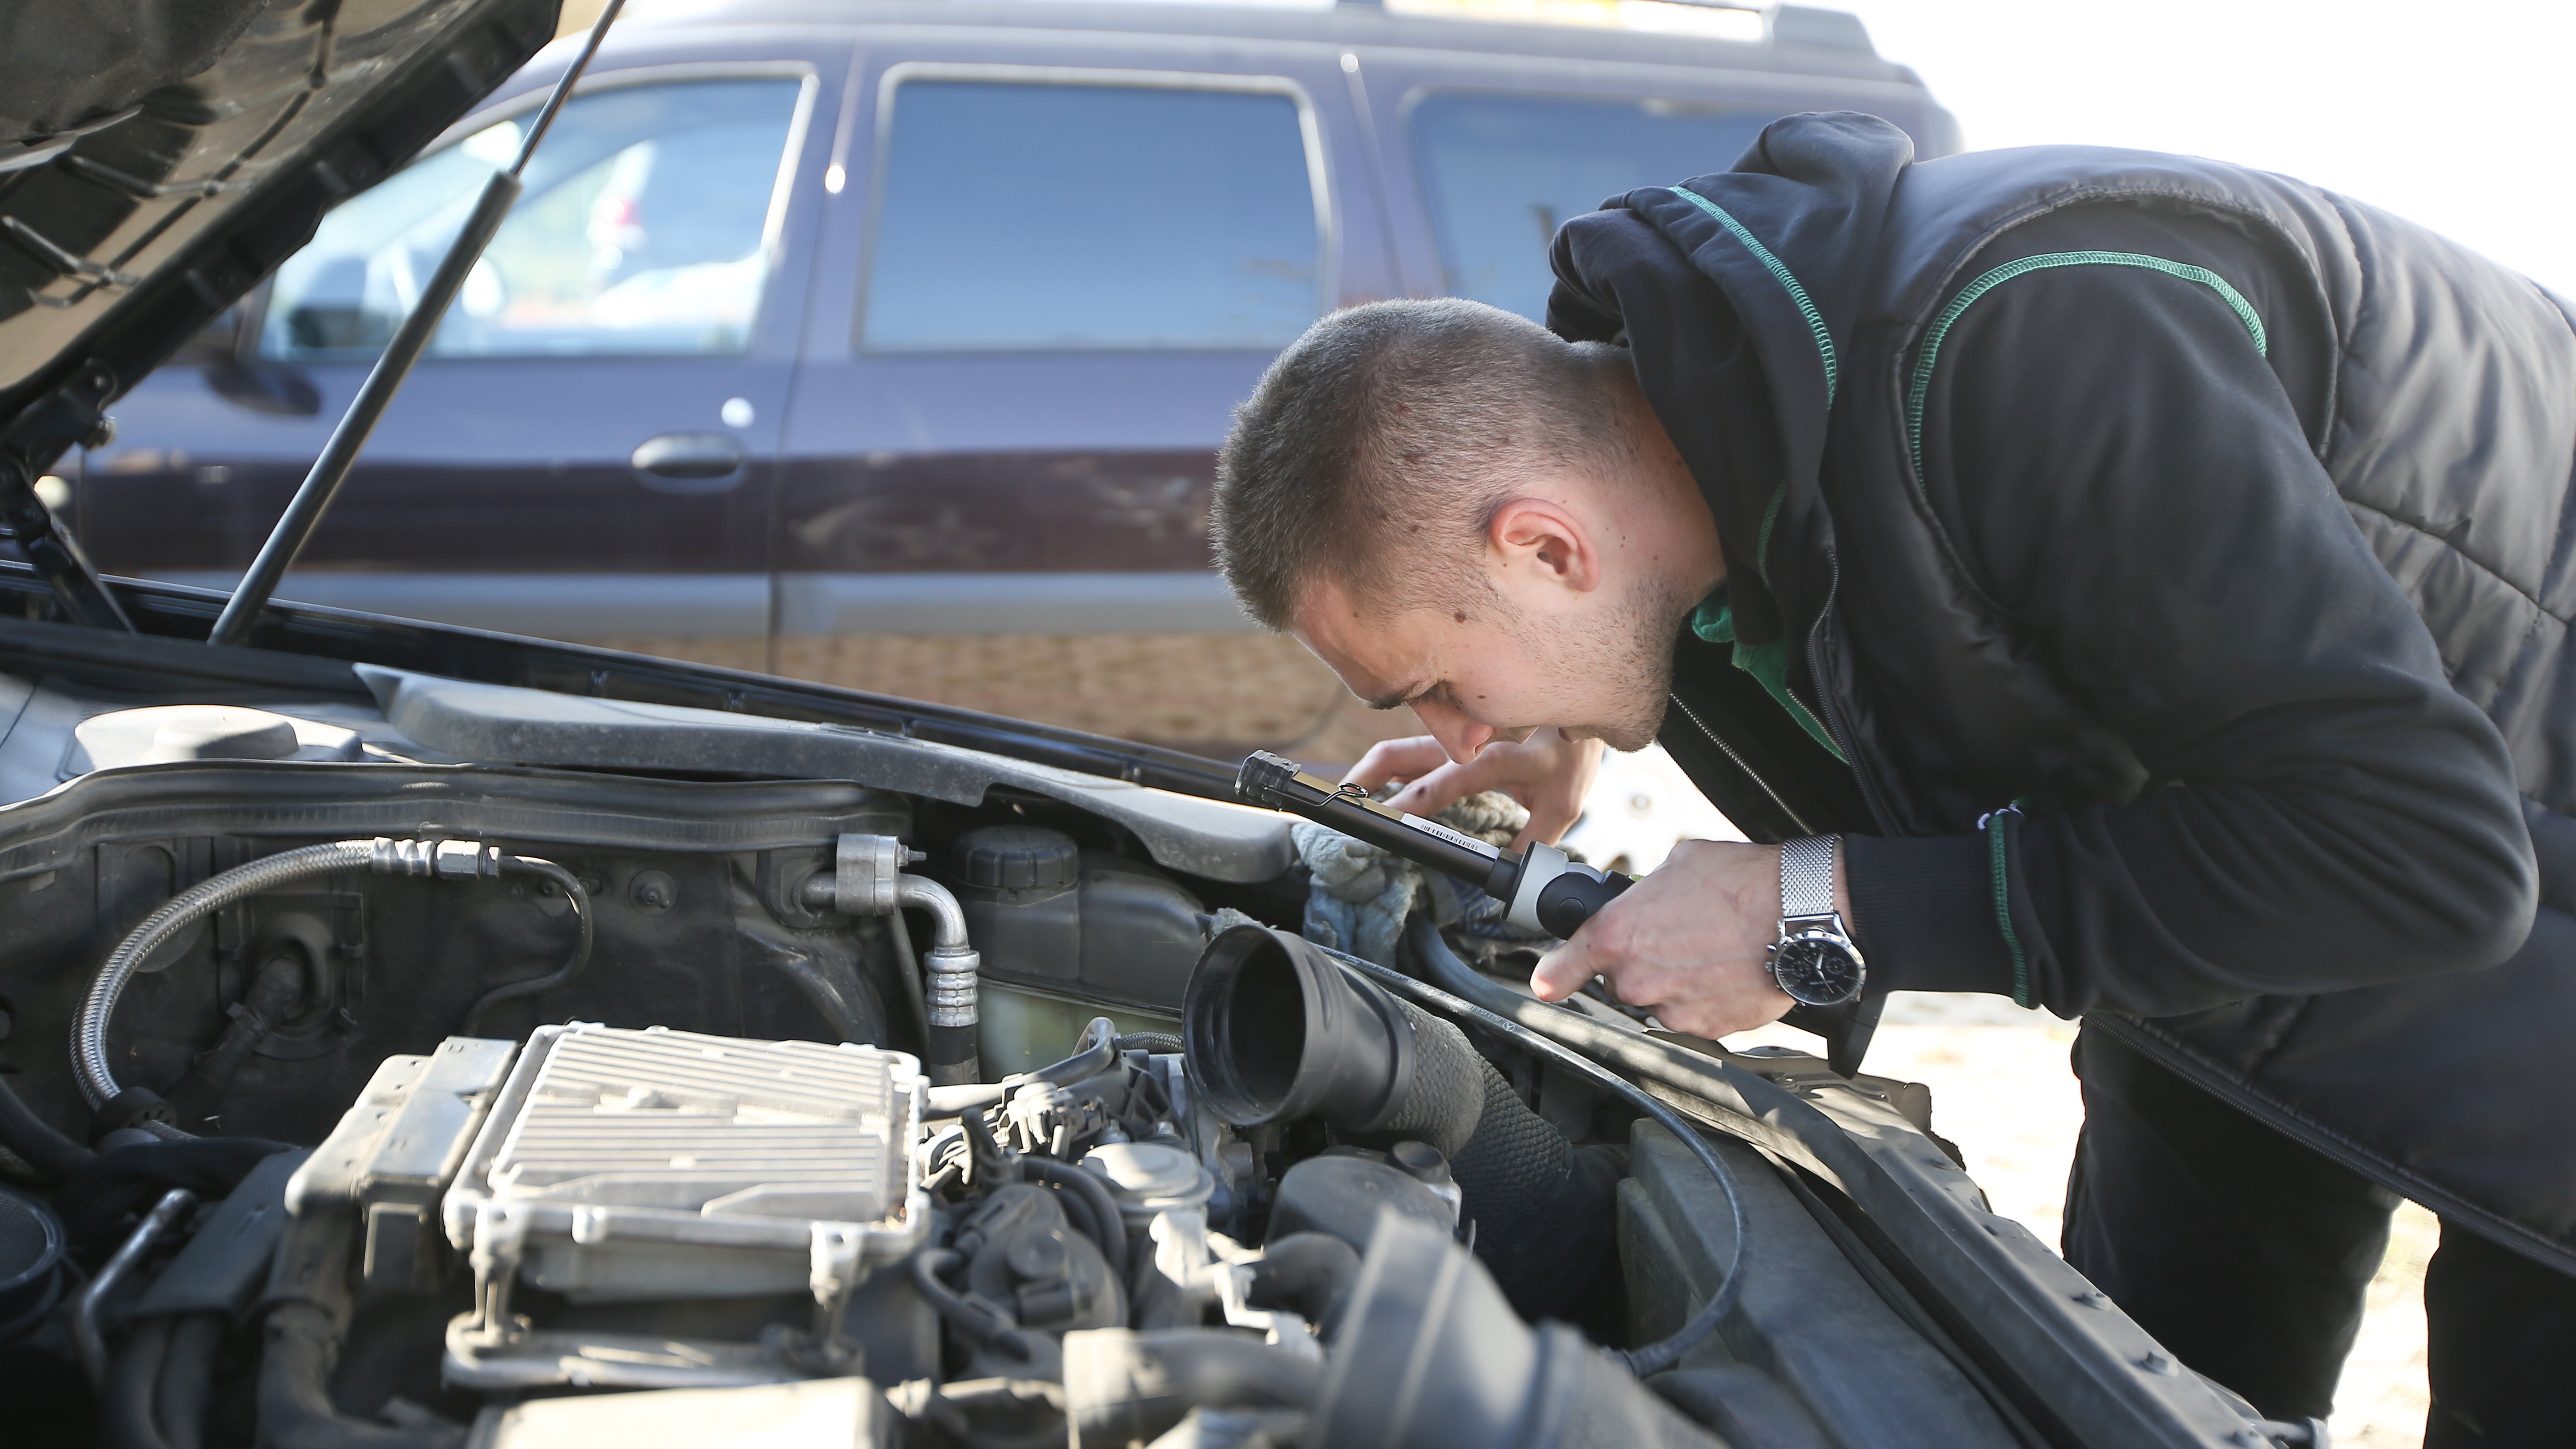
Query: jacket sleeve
x=2120, y=468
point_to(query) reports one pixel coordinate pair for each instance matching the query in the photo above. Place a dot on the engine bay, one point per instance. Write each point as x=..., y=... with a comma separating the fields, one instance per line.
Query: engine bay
x=438, y=1085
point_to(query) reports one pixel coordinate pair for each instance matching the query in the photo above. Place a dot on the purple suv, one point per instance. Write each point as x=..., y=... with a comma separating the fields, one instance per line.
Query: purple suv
x=887, y=345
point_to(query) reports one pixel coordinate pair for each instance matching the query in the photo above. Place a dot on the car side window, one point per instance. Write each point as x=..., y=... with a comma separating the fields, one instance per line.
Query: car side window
x=1502, y=172
x=646, y=228
x=1036, y=216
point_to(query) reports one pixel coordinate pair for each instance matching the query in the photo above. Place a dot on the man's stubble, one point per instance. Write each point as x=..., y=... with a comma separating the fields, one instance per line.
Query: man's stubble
x=1628, y=650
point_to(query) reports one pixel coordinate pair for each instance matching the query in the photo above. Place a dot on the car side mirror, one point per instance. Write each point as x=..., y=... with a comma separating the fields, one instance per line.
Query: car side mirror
x=264, y=387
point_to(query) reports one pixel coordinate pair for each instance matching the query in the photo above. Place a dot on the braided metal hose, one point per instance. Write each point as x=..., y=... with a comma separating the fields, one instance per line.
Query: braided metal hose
x=451, y=859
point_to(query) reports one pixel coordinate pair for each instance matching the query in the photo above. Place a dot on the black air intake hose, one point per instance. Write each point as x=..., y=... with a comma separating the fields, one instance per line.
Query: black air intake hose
x=1428, y=1357
x=1276, y=1030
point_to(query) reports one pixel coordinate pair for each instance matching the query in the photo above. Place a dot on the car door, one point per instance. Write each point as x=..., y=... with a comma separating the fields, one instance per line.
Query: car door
x=1061, y=259
x=585, y=451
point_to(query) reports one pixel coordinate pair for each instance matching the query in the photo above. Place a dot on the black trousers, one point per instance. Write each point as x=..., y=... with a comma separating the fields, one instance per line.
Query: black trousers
x=2248, y=1256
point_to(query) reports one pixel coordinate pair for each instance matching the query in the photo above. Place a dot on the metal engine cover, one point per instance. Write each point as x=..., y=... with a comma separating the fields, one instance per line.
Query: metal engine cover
x=620, y=1164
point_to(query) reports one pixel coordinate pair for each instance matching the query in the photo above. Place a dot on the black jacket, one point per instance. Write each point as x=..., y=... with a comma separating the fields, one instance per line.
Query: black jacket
x=2180, y=557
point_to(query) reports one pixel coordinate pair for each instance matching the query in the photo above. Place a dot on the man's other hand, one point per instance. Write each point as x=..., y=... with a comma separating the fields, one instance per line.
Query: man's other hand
x=1690, y=941
x=1550, y=773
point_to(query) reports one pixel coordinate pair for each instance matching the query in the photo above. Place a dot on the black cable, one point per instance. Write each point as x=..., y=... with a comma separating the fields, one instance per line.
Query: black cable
x=907, y=968
x=992, y=1166
x=35, y=1140
x=821, y=993
x=571, y=886
x=1425, y=940
x=982, y=1323
x=276, y=987
x=1094, y=1193
x=1094, y=1052
x=1078, y=1213
x=1159, y=1043
x=987, y=1165
x=187, y=1380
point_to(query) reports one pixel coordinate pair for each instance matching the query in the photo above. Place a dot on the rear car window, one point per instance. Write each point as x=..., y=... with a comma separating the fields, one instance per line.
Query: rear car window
x=646, y=227
x=1501, y=172
x=1025, y=215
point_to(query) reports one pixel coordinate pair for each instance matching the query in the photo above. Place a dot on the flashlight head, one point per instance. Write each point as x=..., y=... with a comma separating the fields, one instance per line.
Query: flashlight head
x=1264, y=779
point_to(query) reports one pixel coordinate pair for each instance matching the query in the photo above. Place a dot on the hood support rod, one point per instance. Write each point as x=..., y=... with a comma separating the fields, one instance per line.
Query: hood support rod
x=340, y=454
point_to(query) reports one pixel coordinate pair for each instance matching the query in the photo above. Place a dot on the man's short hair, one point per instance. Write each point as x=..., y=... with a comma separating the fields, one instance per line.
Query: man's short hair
x=1378, y=446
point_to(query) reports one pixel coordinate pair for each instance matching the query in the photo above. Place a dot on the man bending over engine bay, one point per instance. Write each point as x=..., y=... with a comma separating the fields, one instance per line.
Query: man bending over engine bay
x=2131, y=584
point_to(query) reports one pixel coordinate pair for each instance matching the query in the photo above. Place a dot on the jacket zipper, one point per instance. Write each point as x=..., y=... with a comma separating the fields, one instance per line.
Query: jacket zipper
x=1749, y=772
x=1825, y=697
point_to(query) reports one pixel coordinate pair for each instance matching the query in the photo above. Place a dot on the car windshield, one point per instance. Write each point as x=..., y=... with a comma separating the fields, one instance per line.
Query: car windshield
x=643, y=230
x=1502, y=172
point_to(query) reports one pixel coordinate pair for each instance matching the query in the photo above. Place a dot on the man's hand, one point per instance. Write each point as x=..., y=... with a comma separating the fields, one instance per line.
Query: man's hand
x=1550, y=773
x=1690, y=940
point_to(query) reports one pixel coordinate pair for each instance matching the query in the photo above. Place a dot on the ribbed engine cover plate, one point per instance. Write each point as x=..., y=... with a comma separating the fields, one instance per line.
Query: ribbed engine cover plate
x=648, y=1163
x=709, y=1125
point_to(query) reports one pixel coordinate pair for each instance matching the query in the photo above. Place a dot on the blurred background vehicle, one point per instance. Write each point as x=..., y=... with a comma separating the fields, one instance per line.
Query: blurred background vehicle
x=888, y=344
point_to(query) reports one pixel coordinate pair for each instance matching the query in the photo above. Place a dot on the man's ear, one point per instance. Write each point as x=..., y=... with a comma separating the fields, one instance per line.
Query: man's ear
x=1537, y=541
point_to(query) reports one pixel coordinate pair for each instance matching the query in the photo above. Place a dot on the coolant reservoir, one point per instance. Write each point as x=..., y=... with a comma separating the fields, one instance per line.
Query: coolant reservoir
x=1019, y=885
x=1067, y=935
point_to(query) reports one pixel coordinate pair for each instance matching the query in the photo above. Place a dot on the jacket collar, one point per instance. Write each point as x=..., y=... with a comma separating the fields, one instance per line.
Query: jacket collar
x=1788, y=238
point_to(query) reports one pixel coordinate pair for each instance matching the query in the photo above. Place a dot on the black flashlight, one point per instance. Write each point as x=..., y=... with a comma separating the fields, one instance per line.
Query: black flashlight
x=1543, y=890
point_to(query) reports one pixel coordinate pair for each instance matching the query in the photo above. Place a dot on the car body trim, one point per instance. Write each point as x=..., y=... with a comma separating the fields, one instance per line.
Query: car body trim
x=508, y=724
x=1189, y=602
x=567, y=605
x=737, y=605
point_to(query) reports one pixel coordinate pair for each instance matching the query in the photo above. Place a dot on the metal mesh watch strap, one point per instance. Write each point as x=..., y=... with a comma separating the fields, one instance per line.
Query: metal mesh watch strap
x=1807, y=877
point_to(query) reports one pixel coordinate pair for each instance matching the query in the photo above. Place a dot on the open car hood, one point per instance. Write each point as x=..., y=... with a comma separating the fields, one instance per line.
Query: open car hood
x=159, y=157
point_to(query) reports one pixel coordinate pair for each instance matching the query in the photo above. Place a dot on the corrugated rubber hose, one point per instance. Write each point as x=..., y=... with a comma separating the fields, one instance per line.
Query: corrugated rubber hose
x=1497, y=1009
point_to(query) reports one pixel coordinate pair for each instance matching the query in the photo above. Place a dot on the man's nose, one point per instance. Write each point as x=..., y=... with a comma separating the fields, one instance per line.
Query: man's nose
x=1460, y=737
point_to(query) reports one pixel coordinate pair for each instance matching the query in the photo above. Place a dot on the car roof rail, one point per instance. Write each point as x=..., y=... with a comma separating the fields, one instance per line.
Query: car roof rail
x=1824, y=29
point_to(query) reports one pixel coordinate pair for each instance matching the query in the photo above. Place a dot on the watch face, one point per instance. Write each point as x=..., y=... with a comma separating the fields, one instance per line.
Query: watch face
x=1816, y=969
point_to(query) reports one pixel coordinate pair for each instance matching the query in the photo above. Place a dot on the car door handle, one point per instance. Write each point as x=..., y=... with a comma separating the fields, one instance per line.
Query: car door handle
x=689, y=462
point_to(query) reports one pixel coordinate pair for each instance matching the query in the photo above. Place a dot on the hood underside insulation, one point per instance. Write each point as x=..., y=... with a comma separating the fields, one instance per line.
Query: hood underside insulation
x=159, y=157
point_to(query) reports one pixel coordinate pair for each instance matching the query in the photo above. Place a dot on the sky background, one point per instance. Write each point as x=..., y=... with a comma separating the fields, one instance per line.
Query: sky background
x=2460, y=115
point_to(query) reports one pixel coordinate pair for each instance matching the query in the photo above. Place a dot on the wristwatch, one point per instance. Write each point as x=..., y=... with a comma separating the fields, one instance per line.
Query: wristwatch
x=1814, y=960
